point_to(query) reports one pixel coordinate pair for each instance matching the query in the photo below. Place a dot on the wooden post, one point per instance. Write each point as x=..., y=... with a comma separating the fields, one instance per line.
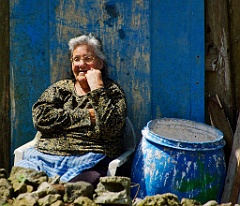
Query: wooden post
x=220, y=121
x=5, y=138
x=232, y=183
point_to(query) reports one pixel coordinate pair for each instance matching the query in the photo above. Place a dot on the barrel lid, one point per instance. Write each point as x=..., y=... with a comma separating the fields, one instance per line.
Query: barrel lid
x=183, y=134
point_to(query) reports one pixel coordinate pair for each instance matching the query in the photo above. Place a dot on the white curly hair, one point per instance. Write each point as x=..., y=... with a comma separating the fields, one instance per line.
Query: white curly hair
x=87, y=40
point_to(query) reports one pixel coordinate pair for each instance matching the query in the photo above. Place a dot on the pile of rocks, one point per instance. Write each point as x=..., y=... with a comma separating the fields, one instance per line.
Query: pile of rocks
x=26, y=187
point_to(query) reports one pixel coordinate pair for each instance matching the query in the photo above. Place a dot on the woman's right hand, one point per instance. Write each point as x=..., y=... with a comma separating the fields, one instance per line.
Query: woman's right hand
x=94, y=79
x=92, y=116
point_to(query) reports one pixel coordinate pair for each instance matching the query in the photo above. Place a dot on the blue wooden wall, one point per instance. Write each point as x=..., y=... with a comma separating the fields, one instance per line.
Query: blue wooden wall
x=155, y=51
x=177, y=59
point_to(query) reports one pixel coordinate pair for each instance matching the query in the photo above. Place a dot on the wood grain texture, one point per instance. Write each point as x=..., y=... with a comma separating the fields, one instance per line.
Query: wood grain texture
x=218, y=68
x=5, y=130
x=124, y=29
x=232, y=186
x=137, y=37
x=220, y=121
x=234, y=38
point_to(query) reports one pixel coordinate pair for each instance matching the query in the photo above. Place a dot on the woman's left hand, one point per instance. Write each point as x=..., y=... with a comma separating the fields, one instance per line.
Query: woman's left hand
x=94, y=79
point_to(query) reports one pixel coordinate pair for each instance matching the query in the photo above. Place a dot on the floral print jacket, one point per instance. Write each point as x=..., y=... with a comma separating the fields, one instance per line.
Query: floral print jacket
x=64, y=121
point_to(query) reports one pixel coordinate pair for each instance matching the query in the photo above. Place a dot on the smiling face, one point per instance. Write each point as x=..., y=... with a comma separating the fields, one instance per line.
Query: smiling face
x=81, y=62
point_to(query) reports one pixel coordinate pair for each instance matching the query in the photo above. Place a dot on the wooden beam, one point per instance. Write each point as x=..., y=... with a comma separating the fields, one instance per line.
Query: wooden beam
x=232, y=184
x=219, y=120
x=5, y=138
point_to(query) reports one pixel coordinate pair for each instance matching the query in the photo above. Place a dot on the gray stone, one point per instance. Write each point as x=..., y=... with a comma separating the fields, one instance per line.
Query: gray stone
x=77, y=189
x=27, y=176
x=113, y=190
x=3, y=173
x=136, y=201
x=6, y=191
x=58, y=203
x=84, y=201
x=26, y=199
x=160, y=200
x=189, y=202
x=211, y=203
x=19, y=187
x=54, y=180
x=44, y=189
x=49, y=199
x=29, y=188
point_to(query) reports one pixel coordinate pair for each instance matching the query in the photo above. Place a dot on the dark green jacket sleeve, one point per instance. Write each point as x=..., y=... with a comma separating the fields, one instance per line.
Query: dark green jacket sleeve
x=59, y=110
x=56, y=109
x=110, y=109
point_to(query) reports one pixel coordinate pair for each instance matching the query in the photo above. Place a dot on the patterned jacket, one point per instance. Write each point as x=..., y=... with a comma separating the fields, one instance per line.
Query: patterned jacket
x=64, y=121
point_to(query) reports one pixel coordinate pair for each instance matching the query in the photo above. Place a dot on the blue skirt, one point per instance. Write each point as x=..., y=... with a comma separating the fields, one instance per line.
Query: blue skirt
x=67, y=167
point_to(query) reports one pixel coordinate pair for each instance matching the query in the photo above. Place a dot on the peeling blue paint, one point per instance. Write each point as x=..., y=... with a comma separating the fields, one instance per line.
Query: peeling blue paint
x=111, y=9
x=121, y=33
x=151, y=48
x=112, y=12
x=177, y=38
x=182, y=157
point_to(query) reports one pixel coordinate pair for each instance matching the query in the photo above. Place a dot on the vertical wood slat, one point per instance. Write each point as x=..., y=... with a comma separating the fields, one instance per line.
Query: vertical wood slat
x=5, y=139
x=39, y=52
x=234, y=41
x=41, y=31
x=177, y=50
x=29, y=64
x=218, y=71
x=232, y=184
x=123, y=27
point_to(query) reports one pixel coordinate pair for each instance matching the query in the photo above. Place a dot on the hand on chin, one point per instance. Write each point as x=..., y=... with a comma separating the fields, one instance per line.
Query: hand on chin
x=81, y=78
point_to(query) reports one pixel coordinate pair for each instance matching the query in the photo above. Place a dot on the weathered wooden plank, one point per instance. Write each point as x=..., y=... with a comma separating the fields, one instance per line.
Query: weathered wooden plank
x=231, y=188
x=220, y=121
x=123, y=27
x=234, y=36
x=236, y=184
x=219, y=73
x=177, y=33
x=39, y=54
x=5, y=129
x=29, y=64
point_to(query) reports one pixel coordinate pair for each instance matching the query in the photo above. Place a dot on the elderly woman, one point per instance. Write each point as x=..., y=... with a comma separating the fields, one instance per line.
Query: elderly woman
x=81, y=119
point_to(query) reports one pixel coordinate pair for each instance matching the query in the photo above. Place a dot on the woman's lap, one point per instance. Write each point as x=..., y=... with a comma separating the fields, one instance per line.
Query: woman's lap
x=67, y=167
x=91, y=175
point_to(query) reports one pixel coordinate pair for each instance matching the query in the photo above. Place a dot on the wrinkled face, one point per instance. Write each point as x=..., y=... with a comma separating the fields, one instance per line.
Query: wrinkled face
x=83, y=59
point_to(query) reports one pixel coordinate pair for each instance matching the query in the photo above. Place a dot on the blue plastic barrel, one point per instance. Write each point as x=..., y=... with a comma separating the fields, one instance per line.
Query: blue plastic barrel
x=182, y=157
